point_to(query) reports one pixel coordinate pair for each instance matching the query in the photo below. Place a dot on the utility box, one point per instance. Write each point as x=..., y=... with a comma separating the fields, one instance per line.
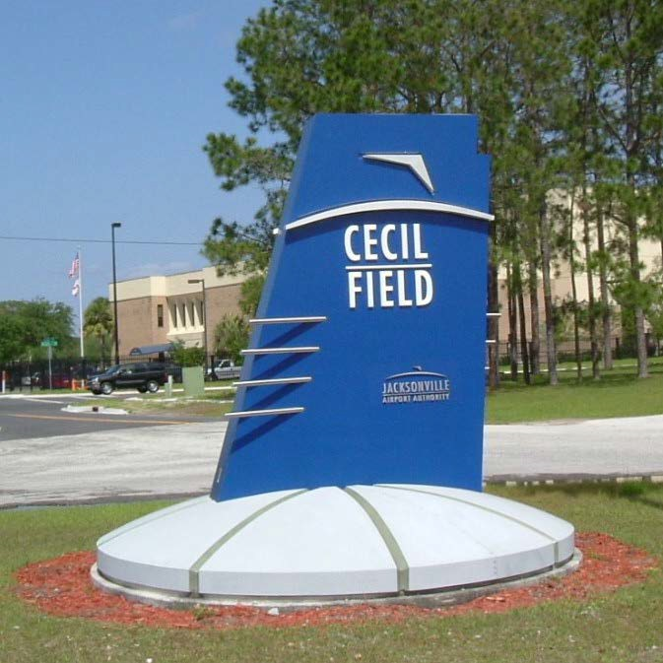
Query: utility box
x=193, y=378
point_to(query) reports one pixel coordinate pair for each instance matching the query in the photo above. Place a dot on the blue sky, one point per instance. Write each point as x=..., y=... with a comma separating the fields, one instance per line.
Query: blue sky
x=104, y=108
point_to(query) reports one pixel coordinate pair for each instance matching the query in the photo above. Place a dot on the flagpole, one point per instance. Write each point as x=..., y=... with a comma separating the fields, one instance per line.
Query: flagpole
x=80, y=301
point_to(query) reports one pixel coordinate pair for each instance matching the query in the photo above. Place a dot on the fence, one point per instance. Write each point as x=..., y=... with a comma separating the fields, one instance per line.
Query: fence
x=69, y=372
x=566, y=351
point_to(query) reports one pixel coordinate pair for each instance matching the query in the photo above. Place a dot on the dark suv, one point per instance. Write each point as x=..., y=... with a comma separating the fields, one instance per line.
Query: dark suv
x=144, y=377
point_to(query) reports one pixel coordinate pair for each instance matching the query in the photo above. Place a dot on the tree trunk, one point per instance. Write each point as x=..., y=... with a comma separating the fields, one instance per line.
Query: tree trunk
x=513, y=326
x=596, y=373
x=494, y=335
x=634, y=260
x=633, y=128
x=606, y=314
x=493, y=321
x=576, y=326
x=523, y=327
x=535, y=346
x=574, y=294
x=551, y=349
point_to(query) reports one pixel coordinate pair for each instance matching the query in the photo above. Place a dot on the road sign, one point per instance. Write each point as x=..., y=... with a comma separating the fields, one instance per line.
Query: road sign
x=49, y=343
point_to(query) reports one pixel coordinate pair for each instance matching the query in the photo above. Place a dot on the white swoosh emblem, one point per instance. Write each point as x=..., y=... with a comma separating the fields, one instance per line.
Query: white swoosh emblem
x=388, y=206
x=415, y=162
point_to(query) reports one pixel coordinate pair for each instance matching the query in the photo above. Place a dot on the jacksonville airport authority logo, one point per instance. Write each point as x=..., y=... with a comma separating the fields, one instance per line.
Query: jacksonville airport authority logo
x=416, y=386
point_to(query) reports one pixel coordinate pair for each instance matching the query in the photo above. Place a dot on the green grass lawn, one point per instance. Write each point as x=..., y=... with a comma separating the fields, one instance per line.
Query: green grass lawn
x=623, y=627
x=619, y=393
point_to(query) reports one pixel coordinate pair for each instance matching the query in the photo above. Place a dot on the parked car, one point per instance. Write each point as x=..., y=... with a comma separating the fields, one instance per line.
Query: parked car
x=143, y=377
x=58, y=381
x=175, y=370
x=33, y=380
x=225, y=370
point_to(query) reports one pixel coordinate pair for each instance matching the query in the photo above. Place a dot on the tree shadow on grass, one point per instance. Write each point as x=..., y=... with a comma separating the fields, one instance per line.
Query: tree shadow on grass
x=609, y=379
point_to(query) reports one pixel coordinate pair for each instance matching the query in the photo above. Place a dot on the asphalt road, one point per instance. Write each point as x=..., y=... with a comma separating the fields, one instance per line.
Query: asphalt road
x=140, y=458
x=39, y=416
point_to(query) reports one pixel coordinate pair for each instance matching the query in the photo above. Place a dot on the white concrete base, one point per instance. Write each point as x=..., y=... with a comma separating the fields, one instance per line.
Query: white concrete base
x=327, y=543
x=433, y=599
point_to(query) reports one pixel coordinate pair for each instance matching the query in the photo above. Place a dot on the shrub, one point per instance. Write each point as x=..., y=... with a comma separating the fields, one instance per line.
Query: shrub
x=186, y=357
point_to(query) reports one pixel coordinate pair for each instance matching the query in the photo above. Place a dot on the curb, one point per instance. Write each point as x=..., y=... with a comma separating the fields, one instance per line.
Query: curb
x=565, y=479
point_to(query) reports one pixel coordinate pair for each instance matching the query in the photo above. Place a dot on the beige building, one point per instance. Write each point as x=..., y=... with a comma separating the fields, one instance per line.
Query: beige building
x=158, y=310
x=562, y=287
x=155, y=311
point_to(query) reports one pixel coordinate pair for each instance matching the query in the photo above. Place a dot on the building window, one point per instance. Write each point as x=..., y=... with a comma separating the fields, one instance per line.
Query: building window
x=175, y=325
x=159, y=315
x=183, y=312
x=192, y=306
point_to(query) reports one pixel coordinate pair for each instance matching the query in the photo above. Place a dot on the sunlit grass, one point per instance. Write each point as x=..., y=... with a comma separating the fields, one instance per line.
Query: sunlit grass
x=623, y=627
x=619, y=393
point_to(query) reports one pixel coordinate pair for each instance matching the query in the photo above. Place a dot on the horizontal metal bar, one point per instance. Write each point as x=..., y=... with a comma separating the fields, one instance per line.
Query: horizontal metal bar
x=286, y=321
x=491, y=342
x=265, y=413
x=280, y=351
x=493, y=315
x=268, y=382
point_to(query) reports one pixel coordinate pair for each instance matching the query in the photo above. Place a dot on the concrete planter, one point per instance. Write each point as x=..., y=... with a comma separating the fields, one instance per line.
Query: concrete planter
x=193, y=378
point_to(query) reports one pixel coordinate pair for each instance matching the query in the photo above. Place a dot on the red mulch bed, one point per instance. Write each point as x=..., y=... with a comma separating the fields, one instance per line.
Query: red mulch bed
x=62, y=587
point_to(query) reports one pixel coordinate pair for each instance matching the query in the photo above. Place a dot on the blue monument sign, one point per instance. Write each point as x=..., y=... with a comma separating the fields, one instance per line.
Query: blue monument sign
x=367, y=358
x=352, y=462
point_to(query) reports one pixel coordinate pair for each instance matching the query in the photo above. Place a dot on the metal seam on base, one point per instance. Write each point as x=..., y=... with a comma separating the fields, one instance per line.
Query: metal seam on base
x=402, y=566
x=483, y=508
x=194, y=571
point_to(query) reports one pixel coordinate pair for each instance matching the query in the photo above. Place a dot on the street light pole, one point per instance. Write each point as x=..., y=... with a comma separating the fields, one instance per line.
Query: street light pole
x=202, y=282
x=117, y=341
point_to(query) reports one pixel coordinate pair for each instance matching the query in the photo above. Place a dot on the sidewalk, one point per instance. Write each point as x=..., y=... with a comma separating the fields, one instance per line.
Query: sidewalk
x=181, y=460
x=110, y=465
x=595, y=447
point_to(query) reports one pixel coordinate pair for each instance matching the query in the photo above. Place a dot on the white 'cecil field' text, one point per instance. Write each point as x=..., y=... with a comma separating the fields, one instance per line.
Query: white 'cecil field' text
x=383, y=278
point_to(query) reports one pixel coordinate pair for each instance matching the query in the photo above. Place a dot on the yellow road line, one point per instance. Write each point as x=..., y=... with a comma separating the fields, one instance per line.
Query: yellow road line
x=114, y=420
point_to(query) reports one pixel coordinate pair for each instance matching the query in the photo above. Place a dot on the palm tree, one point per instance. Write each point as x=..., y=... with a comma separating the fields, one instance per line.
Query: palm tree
x=98, y=322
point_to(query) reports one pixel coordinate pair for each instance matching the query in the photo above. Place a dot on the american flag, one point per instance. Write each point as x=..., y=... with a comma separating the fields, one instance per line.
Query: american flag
x=75, y=266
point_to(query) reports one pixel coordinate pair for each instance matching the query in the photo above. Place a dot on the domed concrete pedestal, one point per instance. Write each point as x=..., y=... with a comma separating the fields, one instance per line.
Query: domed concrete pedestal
x=319, y=545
